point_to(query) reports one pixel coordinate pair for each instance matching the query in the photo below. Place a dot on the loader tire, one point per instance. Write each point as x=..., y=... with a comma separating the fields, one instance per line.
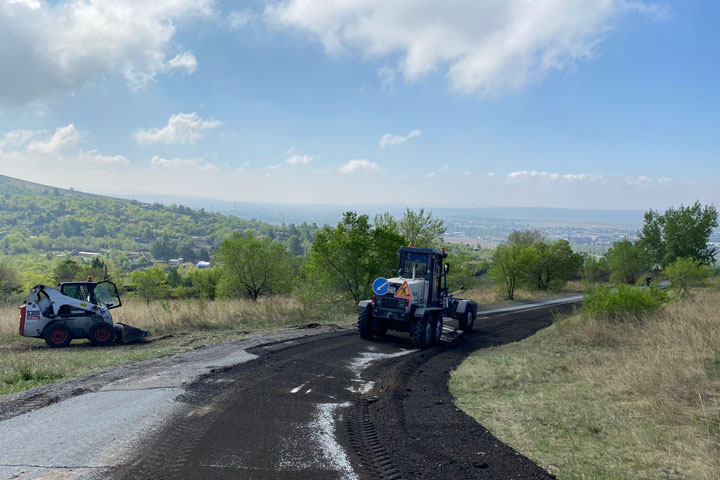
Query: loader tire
x=364, y=324
x=101, y=334
x=58, y=336
x=437, y=328
x=467, y=321
x=421, y=332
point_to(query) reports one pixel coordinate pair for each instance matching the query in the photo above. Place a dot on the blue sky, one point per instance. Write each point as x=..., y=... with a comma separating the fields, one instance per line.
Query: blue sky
x=564, y=103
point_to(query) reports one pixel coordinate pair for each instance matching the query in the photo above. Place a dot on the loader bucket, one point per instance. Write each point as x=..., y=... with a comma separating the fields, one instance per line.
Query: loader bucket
x=127, y=334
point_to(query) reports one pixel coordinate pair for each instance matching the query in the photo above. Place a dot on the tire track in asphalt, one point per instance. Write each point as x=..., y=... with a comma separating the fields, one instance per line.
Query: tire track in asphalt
x=336, y=406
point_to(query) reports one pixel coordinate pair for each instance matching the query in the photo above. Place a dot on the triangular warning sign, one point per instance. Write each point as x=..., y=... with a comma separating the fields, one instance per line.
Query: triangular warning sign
x=404, y=292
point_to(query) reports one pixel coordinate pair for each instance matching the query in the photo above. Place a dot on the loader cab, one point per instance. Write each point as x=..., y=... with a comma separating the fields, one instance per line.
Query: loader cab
x=104, y=293
x=426, y=264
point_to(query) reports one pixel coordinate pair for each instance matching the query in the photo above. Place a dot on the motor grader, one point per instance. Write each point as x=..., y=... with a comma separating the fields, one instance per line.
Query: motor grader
x=416, y=300
x=75, y=310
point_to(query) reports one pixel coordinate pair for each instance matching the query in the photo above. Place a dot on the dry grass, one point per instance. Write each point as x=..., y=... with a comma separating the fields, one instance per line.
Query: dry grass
x=487, y=294
x=176, y=325
x=587, y=399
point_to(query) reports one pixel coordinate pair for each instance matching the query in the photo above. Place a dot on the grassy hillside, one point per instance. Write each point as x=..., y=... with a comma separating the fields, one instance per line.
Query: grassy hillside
x=44, y=222
x=591, y=399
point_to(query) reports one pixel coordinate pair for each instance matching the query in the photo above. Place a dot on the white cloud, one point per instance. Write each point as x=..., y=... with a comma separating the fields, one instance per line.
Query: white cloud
x=389, y=140
x=359, y=165
x=63, y=138
x=183, y=61
x=484, y=46
x=553, y=176
x=466, y=173
x=108, y=159
x=239, y=19
x=57, y=151
x=181, y=128
x=57, y=47
x=17, y=138
x=180, y=163
x=444, y=168
x=296, y=159
x=430, y=175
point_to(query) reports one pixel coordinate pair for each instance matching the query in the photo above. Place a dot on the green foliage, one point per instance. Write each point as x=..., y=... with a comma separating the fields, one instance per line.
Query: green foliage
x=151, y=284
x=387, y=222
x=295, y=245
x=551, y=266
x=98, y=270
x=9, y=281
x=622, y=302
x=679, y=233
x=525, y=238
x=684, y=273
x=596, y=270
x=510, y=267
x=67, y=271
x=349, y=257
x=45, y=221
x=530, y=261
x=627, y=261
x=465, y=268
x=253, y=266
x=205, y=282
x=419, y=229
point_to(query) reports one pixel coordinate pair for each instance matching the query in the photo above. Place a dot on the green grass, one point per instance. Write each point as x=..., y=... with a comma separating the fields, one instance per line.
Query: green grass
x=590, y=399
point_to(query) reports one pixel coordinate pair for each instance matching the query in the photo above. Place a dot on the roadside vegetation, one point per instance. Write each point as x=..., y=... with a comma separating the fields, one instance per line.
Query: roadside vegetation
x=176, y=325
x=628, y=387
x=591, y=398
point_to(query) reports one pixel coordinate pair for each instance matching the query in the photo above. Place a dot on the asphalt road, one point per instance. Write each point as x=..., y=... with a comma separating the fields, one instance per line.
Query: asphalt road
x=338, y=407
x=315, y=404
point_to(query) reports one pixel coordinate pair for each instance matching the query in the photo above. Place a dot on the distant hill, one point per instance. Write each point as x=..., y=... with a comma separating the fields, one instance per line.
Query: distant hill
x=42, y=219
x=15, y=185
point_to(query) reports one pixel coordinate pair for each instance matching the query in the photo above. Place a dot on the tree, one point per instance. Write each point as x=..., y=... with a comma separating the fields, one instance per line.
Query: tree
x=464, y=269
x=259, y=266
x=9, y=281
x=151, y=284
x=419, y=229
x=551, y=266
x=387, y=222
x=174, y=278
x=683, y=232
x=162, y=249
x=349, y=257
x=98, y=270
x=627, y=261
x=205, y=282
x=684, y=273
x=525, y=238
x=510, y=267
x=295, y=245
x=596, y=270
x=66, y=271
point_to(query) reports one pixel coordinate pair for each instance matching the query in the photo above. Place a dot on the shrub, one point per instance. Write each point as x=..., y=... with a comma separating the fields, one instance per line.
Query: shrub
x=623, y=302
x=685, y=273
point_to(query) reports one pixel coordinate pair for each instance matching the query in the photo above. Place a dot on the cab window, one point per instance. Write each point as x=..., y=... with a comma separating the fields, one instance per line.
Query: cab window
x=417, y=260
x=106, y=295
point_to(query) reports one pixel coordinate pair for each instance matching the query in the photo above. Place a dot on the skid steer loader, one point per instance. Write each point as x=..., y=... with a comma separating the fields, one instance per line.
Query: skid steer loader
x=75, y=310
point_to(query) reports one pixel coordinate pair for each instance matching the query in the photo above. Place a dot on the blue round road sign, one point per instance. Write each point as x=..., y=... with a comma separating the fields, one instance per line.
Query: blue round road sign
x=380, y=286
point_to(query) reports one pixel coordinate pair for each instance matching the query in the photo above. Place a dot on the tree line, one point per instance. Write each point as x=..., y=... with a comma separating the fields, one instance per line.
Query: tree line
x=343, y=260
